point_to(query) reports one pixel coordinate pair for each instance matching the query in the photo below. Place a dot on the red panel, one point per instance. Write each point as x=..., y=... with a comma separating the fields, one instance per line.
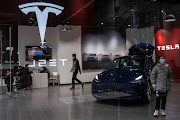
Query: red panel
x=167, y=43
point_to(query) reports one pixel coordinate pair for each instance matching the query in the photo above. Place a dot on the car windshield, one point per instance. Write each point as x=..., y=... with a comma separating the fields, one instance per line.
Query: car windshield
x=92, y=55
x=128, y=62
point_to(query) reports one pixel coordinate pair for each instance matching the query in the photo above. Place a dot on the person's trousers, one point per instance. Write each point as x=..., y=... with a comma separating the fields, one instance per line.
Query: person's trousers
x=161, y=100
x=74, y=78
x=8, y=86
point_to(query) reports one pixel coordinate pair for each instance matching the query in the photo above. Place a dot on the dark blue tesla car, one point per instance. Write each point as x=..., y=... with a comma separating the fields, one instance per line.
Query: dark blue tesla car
x=126, y=77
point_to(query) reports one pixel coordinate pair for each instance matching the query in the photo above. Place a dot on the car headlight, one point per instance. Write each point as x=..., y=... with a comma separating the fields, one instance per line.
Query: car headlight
x=96, y=79
x=138, y=79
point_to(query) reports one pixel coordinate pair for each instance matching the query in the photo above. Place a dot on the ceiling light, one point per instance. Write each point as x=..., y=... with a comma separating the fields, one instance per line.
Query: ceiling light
x=170, y=18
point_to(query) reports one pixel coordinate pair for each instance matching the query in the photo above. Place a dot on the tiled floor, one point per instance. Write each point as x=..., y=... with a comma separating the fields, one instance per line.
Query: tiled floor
x=60, y=103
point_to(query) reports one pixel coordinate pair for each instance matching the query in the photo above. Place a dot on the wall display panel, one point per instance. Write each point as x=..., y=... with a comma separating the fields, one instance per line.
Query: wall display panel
x=167, y=40
x=100, y=46
x=38, y=52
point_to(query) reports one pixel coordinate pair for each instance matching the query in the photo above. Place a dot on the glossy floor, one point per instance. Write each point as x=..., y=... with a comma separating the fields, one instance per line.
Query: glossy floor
x=60, y=103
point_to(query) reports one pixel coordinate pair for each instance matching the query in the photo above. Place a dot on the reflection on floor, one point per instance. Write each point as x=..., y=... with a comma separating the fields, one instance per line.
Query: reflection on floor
x=60, y=103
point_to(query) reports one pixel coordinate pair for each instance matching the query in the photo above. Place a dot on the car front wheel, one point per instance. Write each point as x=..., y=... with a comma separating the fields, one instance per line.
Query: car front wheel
x=148, y=95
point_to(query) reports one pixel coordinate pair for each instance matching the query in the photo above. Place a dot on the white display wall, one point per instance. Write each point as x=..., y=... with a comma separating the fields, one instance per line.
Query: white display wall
x=63, y=43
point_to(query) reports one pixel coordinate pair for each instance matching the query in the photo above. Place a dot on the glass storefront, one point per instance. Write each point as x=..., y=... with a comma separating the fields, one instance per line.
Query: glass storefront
x=89, y=59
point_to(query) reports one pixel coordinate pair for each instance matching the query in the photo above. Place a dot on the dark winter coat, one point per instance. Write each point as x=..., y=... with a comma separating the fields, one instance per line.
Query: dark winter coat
x=76, y=66
x=7, y=79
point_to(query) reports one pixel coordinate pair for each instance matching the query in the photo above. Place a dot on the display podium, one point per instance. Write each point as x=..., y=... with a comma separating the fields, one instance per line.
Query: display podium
x=39, y=80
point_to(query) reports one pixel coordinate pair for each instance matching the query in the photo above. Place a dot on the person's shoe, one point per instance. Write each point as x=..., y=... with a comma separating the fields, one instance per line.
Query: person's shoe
x=163, y=113
x=156, y=113
x=82, y=85
x=72, y=88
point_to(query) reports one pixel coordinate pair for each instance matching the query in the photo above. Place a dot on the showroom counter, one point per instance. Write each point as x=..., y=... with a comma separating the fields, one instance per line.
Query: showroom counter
x=39, y=80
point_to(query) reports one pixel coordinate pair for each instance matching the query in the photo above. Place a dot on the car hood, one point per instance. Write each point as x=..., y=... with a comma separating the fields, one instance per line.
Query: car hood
x=119, y=75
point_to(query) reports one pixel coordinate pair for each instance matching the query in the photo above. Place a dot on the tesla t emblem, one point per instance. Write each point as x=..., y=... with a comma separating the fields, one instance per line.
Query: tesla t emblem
x=42, y=16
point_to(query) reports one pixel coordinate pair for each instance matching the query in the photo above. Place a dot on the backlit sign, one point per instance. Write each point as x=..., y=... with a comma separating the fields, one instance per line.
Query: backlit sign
x=52, y=63
x=168, y=47
x=42, y=16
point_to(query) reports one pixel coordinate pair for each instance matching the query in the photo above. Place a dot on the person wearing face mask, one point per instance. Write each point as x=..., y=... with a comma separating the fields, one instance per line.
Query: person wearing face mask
x=161, y=79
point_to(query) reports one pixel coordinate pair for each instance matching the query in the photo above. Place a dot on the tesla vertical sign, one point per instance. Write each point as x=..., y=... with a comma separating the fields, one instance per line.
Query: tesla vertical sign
x=42, y=16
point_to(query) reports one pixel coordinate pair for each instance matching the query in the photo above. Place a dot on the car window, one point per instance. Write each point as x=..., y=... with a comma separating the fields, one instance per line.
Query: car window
x=149, y=64
x=131, y=63
x=92, y=55
x=114, y=64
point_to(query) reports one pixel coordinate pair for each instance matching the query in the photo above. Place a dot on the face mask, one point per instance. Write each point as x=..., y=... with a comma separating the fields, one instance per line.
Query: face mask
x=163, y=61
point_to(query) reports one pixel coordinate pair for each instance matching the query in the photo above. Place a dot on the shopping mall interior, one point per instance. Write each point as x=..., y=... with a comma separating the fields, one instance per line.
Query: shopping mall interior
x=89, y=59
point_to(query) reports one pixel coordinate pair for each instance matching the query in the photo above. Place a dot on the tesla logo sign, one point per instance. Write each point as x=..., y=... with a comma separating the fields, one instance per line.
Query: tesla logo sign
x=169, y=47
x=52, y=63
x=42, y=16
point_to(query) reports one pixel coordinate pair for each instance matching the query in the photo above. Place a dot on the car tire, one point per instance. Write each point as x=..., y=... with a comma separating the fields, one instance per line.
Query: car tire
x=148, y=94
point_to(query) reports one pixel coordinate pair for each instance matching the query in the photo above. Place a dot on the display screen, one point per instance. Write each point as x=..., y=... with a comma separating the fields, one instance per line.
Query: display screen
x=100, y=47
x=38, y=52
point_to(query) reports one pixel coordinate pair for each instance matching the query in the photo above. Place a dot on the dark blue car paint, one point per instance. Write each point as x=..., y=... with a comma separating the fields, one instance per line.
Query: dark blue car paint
x=112, y=83
x=119, y=80
x=144, y=44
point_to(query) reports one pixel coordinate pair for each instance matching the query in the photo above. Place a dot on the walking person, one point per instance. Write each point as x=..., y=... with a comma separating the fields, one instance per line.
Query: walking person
x=75, y=69
x=161, y=79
